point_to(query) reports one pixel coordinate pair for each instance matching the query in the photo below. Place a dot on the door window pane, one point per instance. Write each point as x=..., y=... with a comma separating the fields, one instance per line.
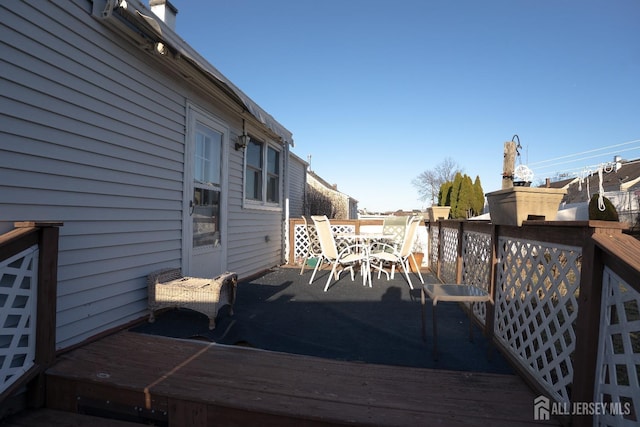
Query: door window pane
x=206, y=217
x=205, y=205
x=207, y=155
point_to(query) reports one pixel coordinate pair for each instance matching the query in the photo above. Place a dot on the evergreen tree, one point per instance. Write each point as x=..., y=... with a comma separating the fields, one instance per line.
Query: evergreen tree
x=465, y=197
x=455, y=190
x=444, y=195
x=478, y=192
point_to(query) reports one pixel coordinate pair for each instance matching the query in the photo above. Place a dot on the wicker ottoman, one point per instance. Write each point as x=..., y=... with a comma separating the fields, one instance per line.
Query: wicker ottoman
x=168, y=289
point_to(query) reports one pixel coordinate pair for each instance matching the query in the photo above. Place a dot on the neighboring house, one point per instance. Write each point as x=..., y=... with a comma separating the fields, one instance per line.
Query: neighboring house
x=620, y=184
x=297, y=186
x=562, y=184
x=116, y=127
x=325, y=199
x=297, y=195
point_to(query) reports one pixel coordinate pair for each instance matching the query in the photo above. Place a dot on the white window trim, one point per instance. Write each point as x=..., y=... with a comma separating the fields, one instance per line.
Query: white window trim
x=263, y=204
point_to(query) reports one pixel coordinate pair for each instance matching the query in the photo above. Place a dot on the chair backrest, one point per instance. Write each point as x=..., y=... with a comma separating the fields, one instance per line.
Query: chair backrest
x=410, y=236
x=310, y=232
x=325, y=236
x=396, y=227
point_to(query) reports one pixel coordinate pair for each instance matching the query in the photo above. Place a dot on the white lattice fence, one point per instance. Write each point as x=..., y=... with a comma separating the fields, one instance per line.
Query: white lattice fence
x=338, y=229
x=435, y=235
x=449, y=254
x=618, y=366
x=536, y=309
x=301, y=240
x=476, y=266
x=18, y=281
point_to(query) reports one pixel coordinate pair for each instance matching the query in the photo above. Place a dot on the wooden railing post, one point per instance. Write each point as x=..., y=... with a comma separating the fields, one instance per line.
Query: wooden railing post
x=587, y=329
x=47, y=295
x=292, y=241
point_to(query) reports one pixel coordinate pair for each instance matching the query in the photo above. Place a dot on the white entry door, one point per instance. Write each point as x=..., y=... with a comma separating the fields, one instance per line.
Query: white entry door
x=205, y=204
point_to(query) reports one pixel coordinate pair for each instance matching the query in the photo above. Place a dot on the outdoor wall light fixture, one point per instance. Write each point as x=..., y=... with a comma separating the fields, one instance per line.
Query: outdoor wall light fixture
x=243, y=139
x=161, y=49
x=242, y=142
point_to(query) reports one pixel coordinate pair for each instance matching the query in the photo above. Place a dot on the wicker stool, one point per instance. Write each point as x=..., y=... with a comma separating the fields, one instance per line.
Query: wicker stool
x=168, y=289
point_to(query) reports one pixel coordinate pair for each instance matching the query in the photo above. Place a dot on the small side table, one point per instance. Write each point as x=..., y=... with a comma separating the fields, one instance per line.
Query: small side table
x=449, y=292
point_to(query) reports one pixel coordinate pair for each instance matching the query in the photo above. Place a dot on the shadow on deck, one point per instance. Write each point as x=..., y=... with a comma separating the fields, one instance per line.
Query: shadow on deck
x=352, y=356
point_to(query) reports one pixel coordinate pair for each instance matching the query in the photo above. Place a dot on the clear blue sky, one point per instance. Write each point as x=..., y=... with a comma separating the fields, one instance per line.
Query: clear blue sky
x=378, y=91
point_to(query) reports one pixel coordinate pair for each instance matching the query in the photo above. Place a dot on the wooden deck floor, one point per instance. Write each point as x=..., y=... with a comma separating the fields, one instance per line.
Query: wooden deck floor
x=144, y=378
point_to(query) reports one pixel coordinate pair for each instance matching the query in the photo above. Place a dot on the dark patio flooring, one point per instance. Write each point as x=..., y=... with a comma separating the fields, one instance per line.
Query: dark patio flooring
x=280, y=311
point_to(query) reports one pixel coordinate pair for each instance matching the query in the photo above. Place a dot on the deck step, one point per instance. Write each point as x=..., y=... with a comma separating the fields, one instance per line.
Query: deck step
x=178, y=382
x=49, y=417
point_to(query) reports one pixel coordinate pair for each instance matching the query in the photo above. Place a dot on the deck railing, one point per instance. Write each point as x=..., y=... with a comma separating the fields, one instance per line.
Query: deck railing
x=28, y=280
x=565, y=310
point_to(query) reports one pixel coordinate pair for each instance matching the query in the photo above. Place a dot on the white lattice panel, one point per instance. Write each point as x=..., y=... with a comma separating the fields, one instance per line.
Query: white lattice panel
x=18, y=281
x=476, y=267
x=536, y=308
x=343, y=229
x=435, y=235
x=449, y=254
x=301, y=241
x=618, y=366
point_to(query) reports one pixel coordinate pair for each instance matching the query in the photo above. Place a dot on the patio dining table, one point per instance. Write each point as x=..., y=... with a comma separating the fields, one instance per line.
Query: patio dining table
x=367, y=240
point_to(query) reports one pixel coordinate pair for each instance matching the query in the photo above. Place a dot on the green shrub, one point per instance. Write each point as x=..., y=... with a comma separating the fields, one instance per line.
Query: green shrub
x=608, y=214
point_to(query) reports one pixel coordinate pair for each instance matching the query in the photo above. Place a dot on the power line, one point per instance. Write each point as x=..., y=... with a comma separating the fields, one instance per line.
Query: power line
x=588, y=157
x=549, y=171
x=586, y=152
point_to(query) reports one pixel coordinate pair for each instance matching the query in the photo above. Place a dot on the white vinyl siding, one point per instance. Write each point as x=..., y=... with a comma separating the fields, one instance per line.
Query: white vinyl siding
x=76, y=109
x=92, y=134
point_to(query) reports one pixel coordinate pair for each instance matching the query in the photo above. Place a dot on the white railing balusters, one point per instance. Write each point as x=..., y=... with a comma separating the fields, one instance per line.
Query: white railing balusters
x=618, y=363
x=18, y=298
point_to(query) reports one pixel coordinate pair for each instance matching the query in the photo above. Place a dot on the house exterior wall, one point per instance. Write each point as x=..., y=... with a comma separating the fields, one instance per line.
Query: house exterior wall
x=297, y=186
x=627, y=204
x=93, y=133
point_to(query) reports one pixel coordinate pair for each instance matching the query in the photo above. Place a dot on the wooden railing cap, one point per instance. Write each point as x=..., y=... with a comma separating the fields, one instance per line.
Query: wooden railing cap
x=26, y=224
